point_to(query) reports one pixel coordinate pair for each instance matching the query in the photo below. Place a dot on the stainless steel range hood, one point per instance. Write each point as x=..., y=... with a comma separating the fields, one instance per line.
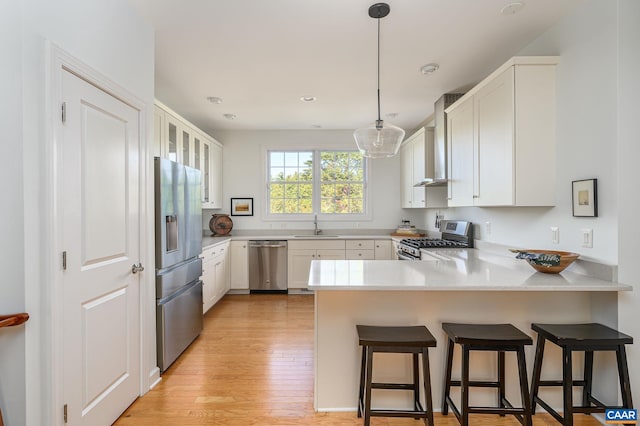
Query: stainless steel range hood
x=439, y=177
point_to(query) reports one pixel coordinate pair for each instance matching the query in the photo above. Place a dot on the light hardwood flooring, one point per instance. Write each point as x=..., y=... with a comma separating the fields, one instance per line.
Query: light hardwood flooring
x=253, y=365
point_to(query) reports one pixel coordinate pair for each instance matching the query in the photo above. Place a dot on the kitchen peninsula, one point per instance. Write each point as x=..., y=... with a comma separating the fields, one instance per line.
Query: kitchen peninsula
x=459, y=285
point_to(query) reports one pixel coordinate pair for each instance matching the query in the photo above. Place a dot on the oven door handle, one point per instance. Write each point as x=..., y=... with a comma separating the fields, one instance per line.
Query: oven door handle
x=402, y=256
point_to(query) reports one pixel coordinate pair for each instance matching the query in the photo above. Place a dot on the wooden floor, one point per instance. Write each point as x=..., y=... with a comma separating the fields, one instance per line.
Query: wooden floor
x=253, y=365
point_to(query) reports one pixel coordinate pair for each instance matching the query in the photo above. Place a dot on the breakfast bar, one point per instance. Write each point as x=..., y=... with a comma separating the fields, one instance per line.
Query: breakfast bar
x=457, y=285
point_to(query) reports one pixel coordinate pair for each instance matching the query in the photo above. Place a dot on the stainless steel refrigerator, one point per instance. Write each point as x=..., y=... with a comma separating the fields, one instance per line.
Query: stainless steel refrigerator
x=178, y=224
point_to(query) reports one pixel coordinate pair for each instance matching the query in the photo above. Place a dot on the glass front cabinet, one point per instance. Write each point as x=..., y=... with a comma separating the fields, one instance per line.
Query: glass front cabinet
x=178, y=140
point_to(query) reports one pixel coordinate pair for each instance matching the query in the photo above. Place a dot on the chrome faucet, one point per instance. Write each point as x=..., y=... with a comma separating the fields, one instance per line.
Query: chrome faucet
x=316, y=231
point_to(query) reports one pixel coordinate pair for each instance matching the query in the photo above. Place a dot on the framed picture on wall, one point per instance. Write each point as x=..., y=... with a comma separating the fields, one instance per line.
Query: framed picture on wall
x=242, y=207
x=585, y=198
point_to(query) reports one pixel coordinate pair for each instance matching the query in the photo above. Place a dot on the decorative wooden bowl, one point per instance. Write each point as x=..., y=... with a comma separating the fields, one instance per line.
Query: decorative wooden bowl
x=566, y=259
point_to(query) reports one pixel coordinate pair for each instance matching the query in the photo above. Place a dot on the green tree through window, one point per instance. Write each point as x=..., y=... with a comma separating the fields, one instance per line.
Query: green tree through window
x=338, y=187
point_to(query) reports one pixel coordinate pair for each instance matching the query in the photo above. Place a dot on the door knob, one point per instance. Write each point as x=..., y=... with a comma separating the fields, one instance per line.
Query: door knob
x=137, y=268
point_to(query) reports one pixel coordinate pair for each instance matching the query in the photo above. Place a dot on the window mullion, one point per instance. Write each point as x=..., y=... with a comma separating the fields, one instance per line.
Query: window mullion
x=316, y=181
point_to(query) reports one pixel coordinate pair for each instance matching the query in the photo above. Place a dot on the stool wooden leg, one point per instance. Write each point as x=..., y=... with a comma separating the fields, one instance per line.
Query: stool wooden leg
x=524, y=387
x=567, y=386
x=362, y=369
x=416, y=383
x=501, y=381
x=367, y=392
x=537, y=368
x=426, y=372
x=447, y=378
x=464, y=394
x=623, y=372
x=588, y=378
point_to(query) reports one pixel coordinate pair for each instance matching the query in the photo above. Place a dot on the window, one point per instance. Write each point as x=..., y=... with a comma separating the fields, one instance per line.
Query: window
x=313, y=181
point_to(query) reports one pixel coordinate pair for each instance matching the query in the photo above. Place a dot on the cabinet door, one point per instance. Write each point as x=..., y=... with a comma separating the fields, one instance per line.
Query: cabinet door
x=298, y=265
x=206, y=173
x=239, y=265
x=215, y=200
x=418, y=171
x=158, y=132
x=406, y=174
x=173, y=146
x=461, y=143
x=394, y=250
x=208, y=286
x=220, y=272
x=382, y=250
x=186, y=146
x=495, y=166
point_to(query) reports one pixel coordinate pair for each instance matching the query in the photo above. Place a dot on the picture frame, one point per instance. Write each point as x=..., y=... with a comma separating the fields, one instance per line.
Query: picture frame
x=585, y=198
x=242, y=207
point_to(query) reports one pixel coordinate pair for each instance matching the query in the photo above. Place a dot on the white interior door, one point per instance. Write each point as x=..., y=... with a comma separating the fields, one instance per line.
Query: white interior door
x=100, y=234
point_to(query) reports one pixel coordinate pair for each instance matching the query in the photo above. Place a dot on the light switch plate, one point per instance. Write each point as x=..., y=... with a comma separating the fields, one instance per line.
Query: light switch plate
x=555, y=235
x=587, y=237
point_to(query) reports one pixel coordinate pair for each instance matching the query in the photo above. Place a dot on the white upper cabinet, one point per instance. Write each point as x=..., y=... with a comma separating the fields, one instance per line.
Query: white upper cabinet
x=460, y=136
x=501, y=138
x=179, y=140
x=416, y=163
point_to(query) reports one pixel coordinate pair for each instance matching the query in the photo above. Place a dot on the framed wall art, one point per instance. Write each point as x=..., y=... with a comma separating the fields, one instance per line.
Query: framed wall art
x=242, y=207
x=585, y=198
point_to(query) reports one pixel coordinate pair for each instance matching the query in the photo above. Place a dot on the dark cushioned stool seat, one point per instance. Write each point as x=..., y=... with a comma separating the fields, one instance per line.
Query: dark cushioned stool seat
x=411, y=339
x=500, y=338
x=589, y=338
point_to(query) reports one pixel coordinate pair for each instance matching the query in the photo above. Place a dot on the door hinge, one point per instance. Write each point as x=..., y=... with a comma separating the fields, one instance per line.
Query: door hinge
x=64, y=410
x=64, y=260
x=64, y=112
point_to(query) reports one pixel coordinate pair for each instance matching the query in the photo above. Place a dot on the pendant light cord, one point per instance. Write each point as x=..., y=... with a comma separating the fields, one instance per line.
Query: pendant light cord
x=378, y=69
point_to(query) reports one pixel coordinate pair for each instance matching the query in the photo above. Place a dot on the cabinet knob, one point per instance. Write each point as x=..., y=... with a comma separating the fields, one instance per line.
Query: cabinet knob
x=360, y=254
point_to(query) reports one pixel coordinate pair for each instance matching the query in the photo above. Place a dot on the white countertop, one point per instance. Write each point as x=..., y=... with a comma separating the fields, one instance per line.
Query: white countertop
x=292, y=235
x=454, y=270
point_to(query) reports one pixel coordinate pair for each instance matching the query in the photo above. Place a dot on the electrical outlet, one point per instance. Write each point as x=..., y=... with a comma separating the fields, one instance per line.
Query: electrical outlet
x=555, y=235
x=487, y=228
x=587, y=237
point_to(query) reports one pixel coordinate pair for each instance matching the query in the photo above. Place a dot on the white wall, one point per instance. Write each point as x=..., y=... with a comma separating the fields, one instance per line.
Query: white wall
x=110, y=37
x=12, y=340
x=586, y=42
x=629, y=196
x=243, y=176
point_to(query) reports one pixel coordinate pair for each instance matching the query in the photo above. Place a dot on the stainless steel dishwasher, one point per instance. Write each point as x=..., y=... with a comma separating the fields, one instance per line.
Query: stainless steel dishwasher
x=267, y=266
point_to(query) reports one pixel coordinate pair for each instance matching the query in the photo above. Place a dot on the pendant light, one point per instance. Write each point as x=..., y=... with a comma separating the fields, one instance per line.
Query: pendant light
x=379, y=139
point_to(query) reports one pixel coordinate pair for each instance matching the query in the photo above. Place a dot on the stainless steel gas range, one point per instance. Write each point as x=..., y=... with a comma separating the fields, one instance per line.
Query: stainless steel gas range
x=455, y=234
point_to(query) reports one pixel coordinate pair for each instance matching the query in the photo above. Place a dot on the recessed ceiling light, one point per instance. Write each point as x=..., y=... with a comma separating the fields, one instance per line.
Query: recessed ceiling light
x=214, y=99
x=429, y=68
x=512, y=8
x=229, y=116
x=391, y=115
x=308, y=99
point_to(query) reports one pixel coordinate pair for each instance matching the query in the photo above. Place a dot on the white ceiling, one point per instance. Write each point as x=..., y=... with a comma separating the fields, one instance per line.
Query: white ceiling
x=261, y=56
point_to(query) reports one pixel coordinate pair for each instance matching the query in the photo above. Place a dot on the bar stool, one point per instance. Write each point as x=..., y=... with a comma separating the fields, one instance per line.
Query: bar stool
x=412, y=339
x=589, y=338
x=500, y=338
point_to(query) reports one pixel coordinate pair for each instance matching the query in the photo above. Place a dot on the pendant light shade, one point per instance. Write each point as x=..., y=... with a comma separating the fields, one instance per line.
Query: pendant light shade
x=379, y=139
x=379, y=142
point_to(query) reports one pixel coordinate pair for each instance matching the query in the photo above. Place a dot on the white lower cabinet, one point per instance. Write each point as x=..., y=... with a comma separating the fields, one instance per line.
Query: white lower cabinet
x=215, y=276
x=302, y=252
x=239, y=265
x=383, y=250
x=360, y=249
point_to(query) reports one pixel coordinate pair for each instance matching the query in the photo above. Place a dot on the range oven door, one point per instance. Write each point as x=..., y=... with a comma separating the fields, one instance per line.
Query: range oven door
x=405, y=256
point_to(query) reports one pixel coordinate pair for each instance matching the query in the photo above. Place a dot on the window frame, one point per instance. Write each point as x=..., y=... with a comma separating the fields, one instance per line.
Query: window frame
x=316, y=172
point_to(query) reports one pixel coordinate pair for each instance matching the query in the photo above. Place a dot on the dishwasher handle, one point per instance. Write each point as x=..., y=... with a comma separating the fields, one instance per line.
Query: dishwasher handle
x=267, y=244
